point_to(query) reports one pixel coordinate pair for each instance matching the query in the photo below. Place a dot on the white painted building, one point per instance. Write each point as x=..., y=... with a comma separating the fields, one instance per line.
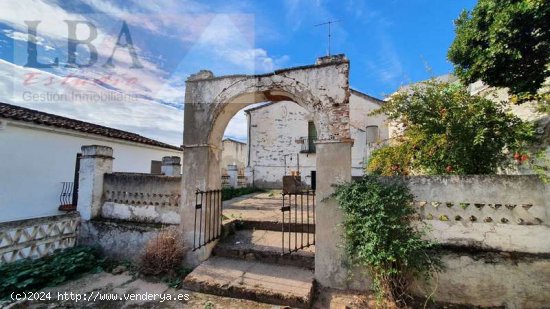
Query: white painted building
x=38, y=152
x=233, y=153
x=281, y=139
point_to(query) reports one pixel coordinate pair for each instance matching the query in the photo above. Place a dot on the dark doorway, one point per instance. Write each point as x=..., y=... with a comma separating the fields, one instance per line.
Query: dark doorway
x=313, y=180
x=76, y=178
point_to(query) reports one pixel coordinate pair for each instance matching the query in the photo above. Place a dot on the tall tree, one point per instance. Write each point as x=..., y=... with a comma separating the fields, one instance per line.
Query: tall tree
x=505, y=43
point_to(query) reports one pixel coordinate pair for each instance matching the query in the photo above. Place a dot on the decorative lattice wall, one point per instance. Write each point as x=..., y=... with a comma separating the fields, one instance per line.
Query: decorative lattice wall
x=470, y=211
x=497, y=212
x=142, y=189
x=38, y=237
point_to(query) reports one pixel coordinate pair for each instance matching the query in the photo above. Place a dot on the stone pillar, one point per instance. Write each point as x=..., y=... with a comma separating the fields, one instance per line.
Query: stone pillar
x=232, y=172
x=95, y=162
x=333, y=167
x=171, y=166
x=203, y=173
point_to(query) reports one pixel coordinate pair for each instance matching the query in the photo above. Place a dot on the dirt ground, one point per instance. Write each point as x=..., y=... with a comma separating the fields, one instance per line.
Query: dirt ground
x=123, y=285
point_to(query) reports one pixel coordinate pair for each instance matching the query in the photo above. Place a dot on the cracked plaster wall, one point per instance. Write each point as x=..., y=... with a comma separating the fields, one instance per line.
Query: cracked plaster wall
x=275, y=128
x=487, y=262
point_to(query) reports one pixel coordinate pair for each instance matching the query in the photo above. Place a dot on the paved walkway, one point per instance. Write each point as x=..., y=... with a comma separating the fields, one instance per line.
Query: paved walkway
x=265, y=206
x=269, y=241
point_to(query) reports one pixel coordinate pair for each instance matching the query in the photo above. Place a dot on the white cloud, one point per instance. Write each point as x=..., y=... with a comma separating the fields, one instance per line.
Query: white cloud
x=53, y=27
x=51, y=17
x=388, y=68
x=237, y=127
x=232, y=41
x=20, y=36
x=228, y=37
x=142, y=116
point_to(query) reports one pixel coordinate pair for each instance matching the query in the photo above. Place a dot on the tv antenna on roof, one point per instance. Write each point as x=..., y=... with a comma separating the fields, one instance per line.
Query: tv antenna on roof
x=328, y=23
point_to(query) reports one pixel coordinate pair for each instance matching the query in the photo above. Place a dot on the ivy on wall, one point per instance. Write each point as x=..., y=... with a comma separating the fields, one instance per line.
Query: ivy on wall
x=379, y=236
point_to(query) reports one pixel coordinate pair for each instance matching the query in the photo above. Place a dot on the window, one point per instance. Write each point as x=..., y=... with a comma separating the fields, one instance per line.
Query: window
x=308, y=142
x=373, y=134
x=156, y=167
x=311, y=135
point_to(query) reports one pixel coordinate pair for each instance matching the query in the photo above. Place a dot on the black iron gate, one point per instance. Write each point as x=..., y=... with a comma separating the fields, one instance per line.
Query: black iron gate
x=298, y=225
x=208, y=221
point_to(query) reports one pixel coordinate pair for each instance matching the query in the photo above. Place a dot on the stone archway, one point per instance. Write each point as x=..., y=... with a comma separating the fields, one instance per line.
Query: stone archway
x=210, y=102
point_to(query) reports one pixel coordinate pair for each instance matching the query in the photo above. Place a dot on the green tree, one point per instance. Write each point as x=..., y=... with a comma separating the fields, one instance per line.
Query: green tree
x=505, y=43
x=448, y=131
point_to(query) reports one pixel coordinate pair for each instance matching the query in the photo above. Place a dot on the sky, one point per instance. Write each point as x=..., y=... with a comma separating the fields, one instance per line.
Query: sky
x=389, y=44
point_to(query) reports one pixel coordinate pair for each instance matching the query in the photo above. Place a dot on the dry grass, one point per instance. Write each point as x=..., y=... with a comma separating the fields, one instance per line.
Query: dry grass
x=163, y=254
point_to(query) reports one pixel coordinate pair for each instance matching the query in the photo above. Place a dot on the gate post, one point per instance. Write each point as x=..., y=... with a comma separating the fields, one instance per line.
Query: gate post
x=171, y=166
x=201, y=172
x=333, y=166
x=95, y=162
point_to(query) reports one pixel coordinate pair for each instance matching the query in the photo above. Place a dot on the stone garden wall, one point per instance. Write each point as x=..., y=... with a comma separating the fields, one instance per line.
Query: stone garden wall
x=134, y=209
x=505, y=213
x=495, y=231
x=123, y=241
x=142, y=198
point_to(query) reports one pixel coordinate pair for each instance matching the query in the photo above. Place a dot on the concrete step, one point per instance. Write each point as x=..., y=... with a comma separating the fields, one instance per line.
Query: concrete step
x=276, y=226
x=265, y=246
x=267, y=283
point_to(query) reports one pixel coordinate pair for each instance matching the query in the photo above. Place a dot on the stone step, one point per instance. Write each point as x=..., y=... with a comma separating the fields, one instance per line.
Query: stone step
x=276, y=226
x=267, y=283
x=266, y=246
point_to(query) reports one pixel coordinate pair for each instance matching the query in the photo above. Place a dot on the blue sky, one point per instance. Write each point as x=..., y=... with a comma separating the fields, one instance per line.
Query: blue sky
x=389, y=43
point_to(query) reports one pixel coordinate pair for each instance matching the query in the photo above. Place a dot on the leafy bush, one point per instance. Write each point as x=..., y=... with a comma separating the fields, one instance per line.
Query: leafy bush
x=379, y=236
x=163, y=254
x=448, y=131
x=31, y=275
x=391, y=160
x=229, y=193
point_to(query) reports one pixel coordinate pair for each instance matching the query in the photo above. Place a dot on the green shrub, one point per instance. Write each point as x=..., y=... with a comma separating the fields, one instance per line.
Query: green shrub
x=379, y=236
x=448, y=131
x=31, y=275
x=391, y=160
x=229, y=193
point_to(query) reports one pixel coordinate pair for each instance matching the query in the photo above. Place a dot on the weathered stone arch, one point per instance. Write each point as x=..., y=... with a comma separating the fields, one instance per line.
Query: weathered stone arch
x=210, y=103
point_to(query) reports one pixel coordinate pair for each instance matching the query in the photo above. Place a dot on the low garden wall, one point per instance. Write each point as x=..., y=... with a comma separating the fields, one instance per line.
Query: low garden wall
x=494, y=234
x=119, y=240
x=37, y=237
x=141, y=198
x=134, y=209
x=505, y=213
